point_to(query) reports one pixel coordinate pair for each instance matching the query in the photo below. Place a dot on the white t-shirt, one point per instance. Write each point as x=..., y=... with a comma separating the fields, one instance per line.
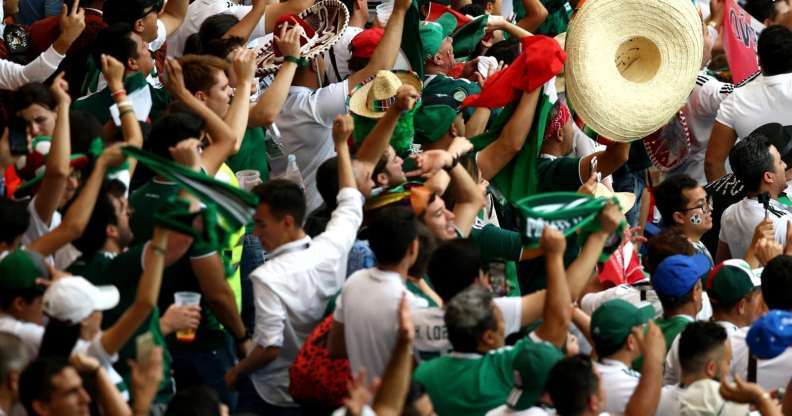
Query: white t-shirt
x=761, y=101
x=368, y=304
x=64, y=256
x=632, y=293
x=669, y=400
x=162, y=36
x=701, y=109
x=200, y=10
x=342, y=54
x=739, y=221
x=431, y=334
x=619, y=382
x=770, y=374
x=29, y=333
x=306, y=127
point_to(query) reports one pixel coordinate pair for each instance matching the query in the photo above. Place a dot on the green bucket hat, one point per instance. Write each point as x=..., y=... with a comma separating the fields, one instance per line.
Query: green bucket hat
x=612, y=322
x=433, y=34
x=568, y=212
x=20, y=269
x=532, y=365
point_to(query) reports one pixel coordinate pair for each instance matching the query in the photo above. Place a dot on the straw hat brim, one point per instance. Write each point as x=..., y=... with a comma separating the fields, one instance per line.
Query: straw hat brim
x=624, y=106
x=357, y=101
x=329, y=18
x=626, y=199
x=560, y=84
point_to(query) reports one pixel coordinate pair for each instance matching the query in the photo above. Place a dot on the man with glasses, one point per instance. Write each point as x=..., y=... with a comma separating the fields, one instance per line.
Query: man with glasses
x=685, y=206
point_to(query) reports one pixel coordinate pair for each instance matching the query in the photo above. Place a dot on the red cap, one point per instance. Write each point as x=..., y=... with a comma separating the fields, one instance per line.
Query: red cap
x=364, y=43
x=291, y=19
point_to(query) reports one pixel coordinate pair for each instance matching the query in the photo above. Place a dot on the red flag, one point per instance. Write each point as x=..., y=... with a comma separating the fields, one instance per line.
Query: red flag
x=436, y=10
x=622, y=267
x=740, y=36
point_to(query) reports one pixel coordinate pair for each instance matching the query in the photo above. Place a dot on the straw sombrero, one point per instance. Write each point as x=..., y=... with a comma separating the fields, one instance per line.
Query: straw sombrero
x=632, y=64
x=559, y=81
x=626, y=199
x=373, y=98
x=323, y=24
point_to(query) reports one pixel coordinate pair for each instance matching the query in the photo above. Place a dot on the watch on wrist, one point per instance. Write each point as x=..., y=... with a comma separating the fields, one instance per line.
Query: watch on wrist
x=454, y=162
x=245, y=337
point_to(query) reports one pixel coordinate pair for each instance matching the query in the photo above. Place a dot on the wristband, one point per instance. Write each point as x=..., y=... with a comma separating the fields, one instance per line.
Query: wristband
x=295, y=60
x=125, y=111
x=158, y=249
x=454, y=162
x=119, y=93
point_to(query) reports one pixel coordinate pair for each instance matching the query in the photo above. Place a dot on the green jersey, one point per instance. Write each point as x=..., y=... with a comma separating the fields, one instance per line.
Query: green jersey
x=252, y=153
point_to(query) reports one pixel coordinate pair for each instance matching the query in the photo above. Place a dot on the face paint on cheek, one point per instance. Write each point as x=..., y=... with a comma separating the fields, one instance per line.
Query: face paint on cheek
x=696, y=219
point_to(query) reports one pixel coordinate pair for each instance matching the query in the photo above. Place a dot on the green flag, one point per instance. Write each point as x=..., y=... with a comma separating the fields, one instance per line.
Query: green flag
x=519, y=179
x=411, y=42
x=467, y=37
x=234, y=205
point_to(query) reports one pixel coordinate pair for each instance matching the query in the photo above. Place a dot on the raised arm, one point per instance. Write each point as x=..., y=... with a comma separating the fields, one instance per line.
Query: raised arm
x=223, y=139
x=608, y=160
x=384, y=56
x=535, y=15
x=115, y=337
x=56, y=173
x=646, y=395
x=342, y=129
x=79, y=213
x=108, y=398
x=511, y=140
x=271, y=100
x=113, y=72
x=580, y=271
x=237, y=117
x=721, y=141
x=377, y=140
x=389, y=400
x=499, y=23
x=173, y=15
x=245, y=27
x=557, y=312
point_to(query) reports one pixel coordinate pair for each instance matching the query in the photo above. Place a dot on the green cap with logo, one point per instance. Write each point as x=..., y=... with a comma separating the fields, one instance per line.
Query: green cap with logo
x=20, y=269
x=730, y=281
x=434, y=33
x=613, y=321
x=532, y=365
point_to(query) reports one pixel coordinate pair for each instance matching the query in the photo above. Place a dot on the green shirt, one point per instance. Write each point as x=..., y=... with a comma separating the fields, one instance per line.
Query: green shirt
x=98, y=104
x=252, y=153
x=124, y=271
x=469, y=384
x=672, y=327
x=145, y=202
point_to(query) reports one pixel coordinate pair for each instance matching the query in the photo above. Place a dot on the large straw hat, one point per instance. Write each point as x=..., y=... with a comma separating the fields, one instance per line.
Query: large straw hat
x=632, y=64
x=324, y=23
x=559, y=81
x=373, y=98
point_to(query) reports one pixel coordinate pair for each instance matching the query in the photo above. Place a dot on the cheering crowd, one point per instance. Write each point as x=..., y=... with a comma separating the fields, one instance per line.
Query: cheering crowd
x=450, y=207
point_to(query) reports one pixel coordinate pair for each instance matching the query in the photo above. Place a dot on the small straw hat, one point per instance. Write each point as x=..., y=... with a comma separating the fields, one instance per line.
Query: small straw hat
x=626, y=199
x=632, y=64
x=373, y=98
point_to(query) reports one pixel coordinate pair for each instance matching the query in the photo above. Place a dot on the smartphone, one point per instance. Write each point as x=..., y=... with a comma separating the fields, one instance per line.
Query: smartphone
x=17, y=136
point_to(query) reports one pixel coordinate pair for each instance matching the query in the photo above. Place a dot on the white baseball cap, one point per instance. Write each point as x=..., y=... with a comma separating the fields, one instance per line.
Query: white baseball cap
x=72, y=299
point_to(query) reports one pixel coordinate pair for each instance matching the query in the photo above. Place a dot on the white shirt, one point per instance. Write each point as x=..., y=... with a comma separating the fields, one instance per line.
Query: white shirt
x=292, y=289
x=29, y=333
x=13, y=75
x=431, y=334
x=739, y=221
x=534, y=411
x=367, y=307
x=591, y=301
x=669, y=400
x=162, y=36
x=770, y=374
x=619, y=382
x=200, y=10
x=761, y=101
x=306, y=126
x=342, y=54
x=672, y=374
x=700, y=111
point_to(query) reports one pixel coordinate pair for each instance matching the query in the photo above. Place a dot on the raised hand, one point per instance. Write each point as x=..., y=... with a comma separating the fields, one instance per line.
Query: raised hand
x=610, y=218
x=552, y=241
x=112, y=156
x=428, y=163
x=360, y=395
x=113, y=71
x=342, y=128
x=72, y=23
x=60, y=90
x=245, y=65
x=590, y=186
x=186, y=153
x=651, y=344
x=288, y=40
x=174, y=82
x=405, y=98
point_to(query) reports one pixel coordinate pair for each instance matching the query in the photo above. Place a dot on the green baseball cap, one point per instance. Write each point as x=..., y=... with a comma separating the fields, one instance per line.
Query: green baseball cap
x=730, y=281
x=434, y=33
x=612, y=322
x=531, y=366
x=432, y=122
x=20, y=269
